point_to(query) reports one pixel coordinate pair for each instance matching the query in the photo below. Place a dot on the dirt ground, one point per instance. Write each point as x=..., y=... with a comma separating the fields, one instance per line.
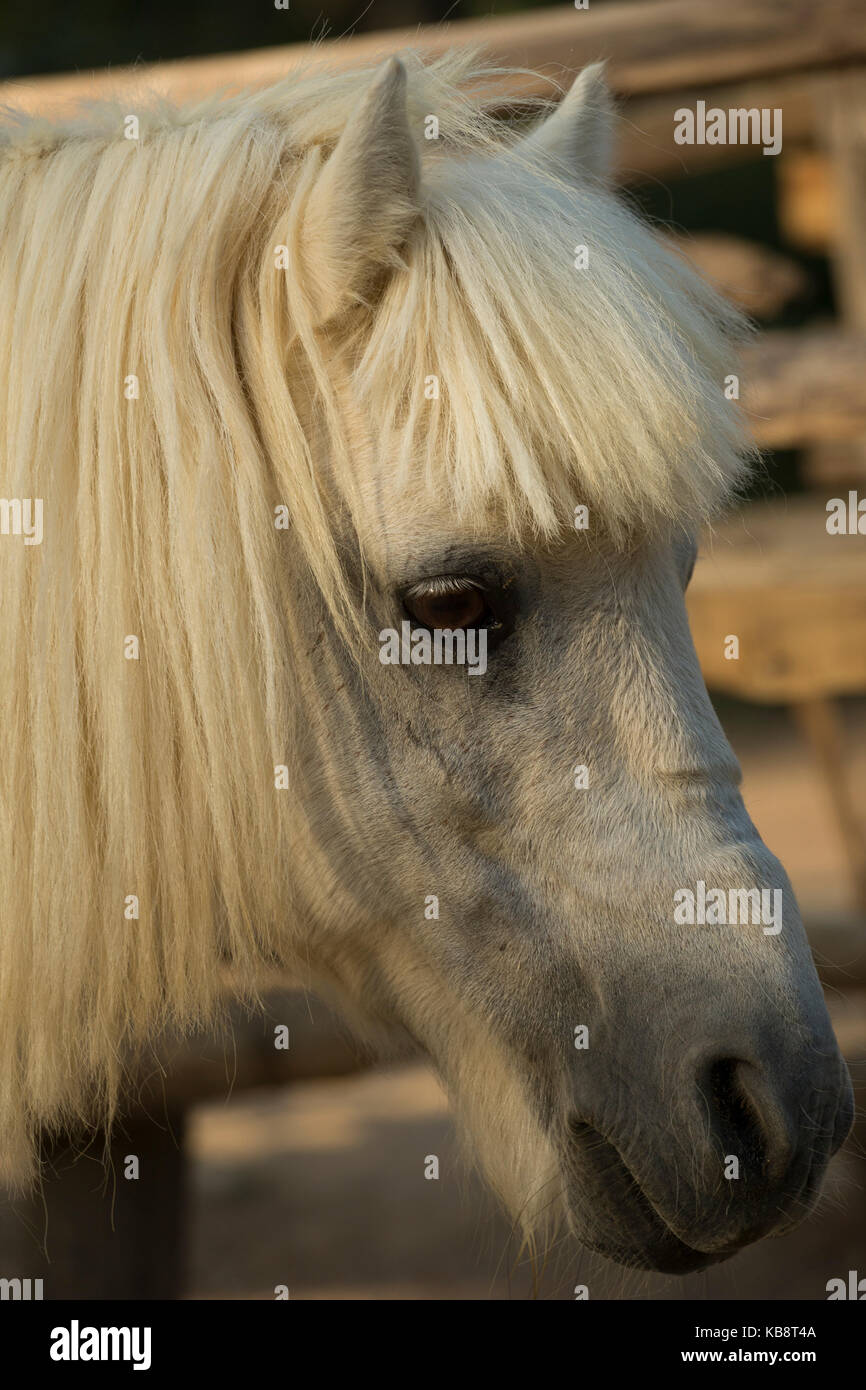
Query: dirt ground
x=321, y=1186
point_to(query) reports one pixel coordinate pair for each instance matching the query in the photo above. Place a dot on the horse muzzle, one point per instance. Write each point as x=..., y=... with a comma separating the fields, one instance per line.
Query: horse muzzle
x=746, y=1163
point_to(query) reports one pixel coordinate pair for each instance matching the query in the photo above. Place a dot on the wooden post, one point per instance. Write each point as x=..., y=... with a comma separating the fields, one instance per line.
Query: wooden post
x=845, y=138
x=94, y=1233
x=820, y=722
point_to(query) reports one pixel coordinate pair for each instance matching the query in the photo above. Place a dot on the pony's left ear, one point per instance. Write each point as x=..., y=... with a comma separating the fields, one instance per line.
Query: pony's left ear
x=578, y=137
x=364, y=199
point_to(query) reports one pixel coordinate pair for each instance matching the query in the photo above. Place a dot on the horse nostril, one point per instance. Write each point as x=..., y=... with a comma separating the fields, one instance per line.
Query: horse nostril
x=735, y=1116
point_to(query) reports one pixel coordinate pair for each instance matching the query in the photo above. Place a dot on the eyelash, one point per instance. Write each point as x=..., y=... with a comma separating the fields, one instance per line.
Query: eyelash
x=480, y=605
x=443, y=584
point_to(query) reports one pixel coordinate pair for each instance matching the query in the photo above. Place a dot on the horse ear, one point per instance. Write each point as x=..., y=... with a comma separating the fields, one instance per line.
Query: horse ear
x=578, y=136
x=364, y=200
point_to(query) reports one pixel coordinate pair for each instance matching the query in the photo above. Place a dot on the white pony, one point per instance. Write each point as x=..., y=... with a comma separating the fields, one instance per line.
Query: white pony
x=282, y=374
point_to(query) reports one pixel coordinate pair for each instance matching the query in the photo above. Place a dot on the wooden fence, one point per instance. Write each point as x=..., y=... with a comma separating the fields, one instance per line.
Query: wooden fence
x=804, y=390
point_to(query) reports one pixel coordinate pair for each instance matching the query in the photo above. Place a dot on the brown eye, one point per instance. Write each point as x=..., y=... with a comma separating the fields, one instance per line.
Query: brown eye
x=445, y=605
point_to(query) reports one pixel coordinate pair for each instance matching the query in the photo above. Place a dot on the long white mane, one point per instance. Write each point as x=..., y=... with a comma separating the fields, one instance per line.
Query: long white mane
x=164, y=388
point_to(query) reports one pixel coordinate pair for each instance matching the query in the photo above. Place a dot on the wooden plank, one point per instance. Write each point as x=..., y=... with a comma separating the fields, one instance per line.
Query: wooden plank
x=757, y=278
x=213, y=1065
x=842, y=130
x=832, y=464
x=645, y=137
x=821, y=724
x=807, y=199
x=805, y=386
x=646, y=146
x=794, y=596
x=90, y=1233
x=663, y=46
x=845, y=134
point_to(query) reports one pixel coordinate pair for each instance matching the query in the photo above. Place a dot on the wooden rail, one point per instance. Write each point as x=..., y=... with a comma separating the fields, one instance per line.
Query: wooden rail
x=745, y=52
x=806, y=386
x=242, y=1054
x=663, y=46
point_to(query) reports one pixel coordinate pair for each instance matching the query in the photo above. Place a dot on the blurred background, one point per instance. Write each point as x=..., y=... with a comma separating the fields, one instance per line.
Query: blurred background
x=104, y=33
x=311, y=1173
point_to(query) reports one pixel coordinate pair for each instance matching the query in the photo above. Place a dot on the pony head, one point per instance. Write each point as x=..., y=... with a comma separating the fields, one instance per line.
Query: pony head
x=372, y=445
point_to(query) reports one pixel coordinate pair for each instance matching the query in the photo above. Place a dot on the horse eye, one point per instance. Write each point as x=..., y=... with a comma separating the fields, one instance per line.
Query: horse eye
x=455, y=606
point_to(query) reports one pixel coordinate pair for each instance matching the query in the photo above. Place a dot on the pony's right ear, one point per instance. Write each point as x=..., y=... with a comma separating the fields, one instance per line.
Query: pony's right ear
x=364, y=199
x=578, y=137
